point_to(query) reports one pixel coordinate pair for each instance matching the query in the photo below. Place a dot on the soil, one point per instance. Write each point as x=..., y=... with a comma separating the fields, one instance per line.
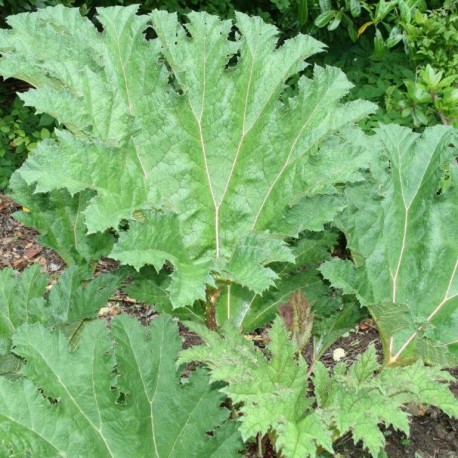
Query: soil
x=432, y=433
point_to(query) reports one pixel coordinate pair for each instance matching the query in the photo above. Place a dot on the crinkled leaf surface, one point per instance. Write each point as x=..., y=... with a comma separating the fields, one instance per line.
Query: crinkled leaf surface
x=250, y=310
x=71, y=300
x=403, y=232
x=333, y=315
x=149, y=286
x=118, y=394
x=273, y=391
x=358, y=399
x=185, y=133
x=21, y=299
x=59, y=219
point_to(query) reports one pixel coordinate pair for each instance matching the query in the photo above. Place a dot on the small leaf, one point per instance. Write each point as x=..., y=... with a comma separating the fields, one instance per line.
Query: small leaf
x=355, y=8
x=298, y=318
x=324, y=18
x=363, y=28
x=325, y=5
x=394, y=38
x=302, y=11
x=405, y=11
x=335, y=22
x=379, y=44
x=44, y=134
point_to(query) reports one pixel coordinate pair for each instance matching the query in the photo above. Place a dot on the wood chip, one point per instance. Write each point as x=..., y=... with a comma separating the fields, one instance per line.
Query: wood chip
x=33, y=251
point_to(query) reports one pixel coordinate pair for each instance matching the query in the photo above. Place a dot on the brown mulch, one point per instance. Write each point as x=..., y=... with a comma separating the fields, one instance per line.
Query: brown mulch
x=433, y=434
x=18, y=244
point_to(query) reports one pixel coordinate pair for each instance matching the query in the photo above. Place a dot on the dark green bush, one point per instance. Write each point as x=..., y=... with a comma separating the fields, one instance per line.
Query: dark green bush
x=20, y=129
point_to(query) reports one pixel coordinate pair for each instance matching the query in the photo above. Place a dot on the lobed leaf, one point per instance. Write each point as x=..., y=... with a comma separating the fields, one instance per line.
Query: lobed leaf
x=118, y=393
x=275, y=397
x=402, y=232
x=72, y=300
x=359, y=398
x=272, y=391
x=185, y=138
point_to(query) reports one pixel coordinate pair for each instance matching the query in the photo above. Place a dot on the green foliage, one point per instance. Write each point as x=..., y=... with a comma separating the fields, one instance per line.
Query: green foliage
x=407, y=94
x=117, y=394
x=379, y=80
x=382, y=18
x=432, y=40
x=186, y=157
x=59, y=217
x=430, y=98
x=23, y=300
x=188, y=142
x=272, y=391
x=270, y=10
x=20, y=130
x=401, y=228
x=275, y=397
x=358, y=399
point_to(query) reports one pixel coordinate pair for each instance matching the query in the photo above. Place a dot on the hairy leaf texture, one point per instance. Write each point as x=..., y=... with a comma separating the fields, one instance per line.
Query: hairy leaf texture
x=275, y=395
x=402, y=230
x=358, y=399
x=185, y=137
x=117, y=394
x=272, y=390
x=298, y=318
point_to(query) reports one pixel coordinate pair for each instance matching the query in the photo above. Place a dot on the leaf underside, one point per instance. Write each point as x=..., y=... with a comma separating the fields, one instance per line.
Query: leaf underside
x=402, y=230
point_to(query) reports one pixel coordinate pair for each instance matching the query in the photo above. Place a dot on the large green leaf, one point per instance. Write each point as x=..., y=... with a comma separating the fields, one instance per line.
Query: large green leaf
x=118, y=394
x=403, y=232
x=185, y=136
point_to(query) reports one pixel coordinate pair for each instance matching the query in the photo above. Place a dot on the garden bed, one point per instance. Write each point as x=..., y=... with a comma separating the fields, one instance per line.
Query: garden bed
x=433, y=434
